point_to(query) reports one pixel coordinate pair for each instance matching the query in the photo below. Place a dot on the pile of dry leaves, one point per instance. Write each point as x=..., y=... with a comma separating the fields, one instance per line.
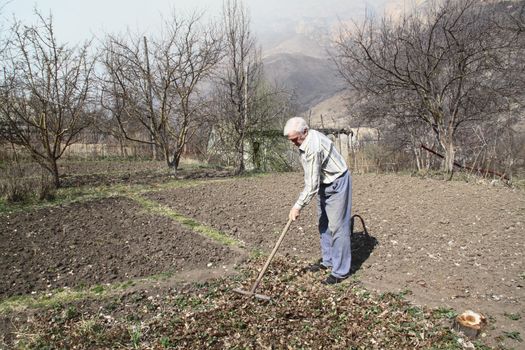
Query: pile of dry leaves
x=303, y=313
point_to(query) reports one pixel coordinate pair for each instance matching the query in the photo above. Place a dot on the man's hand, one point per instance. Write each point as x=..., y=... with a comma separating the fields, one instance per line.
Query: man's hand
x=294, y=214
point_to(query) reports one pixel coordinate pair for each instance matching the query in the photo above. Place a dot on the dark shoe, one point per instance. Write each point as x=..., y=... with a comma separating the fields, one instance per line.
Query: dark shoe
x=316, y=267
x=333, y=280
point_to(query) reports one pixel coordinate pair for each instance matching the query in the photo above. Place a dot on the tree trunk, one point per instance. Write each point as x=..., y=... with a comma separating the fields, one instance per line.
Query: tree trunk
x=172, y=162
x=446, y=141
x=417, y=156
x=54, y=173
x=470, y=323
x=173, y=165
x=240, y=158
x=450, y=153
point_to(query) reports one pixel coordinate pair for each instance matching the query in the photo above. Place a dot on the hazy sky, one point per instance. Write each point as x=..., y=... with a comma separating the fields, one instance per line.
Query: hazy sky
x=77, y=20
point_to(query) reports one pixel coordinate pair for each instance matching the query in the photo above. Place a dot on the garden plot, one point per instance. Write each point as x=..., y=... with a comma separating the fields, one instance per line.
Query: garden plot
x=444, y=244
x=253, y=210
x=450, y=245
x=95, y=242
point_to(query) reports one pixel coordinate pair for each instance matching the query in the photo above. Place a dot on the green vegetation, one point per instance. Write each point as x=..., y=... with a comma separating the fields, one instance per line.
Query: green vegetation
x=43, y=300
x=66, y=196
x=513, y=335
x=135, y=334
x=445, y=312
x=98, y=289
x=513, y=316
x=156, y=208
x=61, y=296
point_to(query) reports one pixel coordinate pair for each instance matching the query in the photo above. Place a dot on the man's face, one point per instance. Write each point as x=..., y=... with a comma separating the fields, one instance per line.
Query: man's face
x=297, y=138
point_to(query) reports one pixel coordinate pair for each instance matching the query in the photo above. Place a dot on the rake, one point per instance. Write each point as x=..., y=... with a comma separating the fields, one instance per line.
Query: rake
x=251, y=292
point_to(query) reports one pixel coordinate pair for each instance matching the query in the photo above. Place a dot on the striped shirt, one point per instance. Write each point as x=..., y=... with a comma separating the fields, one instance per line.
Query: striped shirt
x=322, y=164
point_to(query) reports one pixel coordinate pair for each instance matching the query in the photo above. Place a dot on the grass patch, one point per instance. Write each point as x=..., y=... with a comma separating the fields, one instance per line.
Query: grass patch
x=135, y=335
x=519, y=183
x=513, y=335
x=98, y=289
x=163, y=276
x=513, y=316
x=60, y=296
x=156, y=208
x=67, y=196
x=127, y=284
x=444, y=312
x=49, y=300
x=256, y=253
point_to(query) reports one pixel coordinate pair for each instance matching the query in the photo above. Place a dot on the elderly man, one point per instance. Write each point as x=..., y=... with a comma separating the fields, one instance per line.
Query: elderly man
x=325, y=174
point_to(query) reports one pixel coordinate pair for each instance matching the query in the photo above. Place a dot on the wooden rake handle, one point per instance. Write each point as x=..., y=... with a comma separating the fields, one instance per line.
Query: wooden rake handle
x=265, y=267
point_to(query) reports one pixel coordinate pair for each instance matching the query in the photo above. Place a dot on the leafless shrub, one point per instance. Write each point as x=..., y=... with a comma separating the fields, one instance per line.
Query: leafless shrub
x=21, y=180
x=46, y=190
x=14, y=187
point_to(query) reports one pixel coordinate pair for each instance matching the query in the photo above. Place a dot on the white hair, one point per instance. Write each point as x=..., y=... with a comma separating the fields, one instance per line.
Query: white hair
x=295, y=124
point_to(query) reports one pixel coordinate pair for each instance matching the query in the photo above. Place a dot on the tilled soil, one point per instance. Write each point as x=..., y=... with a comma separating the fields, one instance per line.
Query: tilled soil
x=141, y=176
x=95, y=242
x=107, y=173
x=445, y=244
x=253, y=210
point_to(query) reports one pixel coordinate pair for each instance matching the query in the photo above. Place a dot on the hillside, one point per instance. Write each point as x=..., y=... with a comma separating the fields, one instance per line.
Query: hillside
x=297, y=44
x=332, y=112
x=312, y=79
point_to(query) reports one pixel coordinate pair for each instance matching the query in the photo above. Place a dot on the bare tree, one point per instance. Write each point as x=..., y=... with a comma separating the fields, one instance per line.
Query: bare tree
x=271, y=106
x=3, y=32
x=240, y=90
x=450, y=66
x=152, y=88
x=45, y=91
